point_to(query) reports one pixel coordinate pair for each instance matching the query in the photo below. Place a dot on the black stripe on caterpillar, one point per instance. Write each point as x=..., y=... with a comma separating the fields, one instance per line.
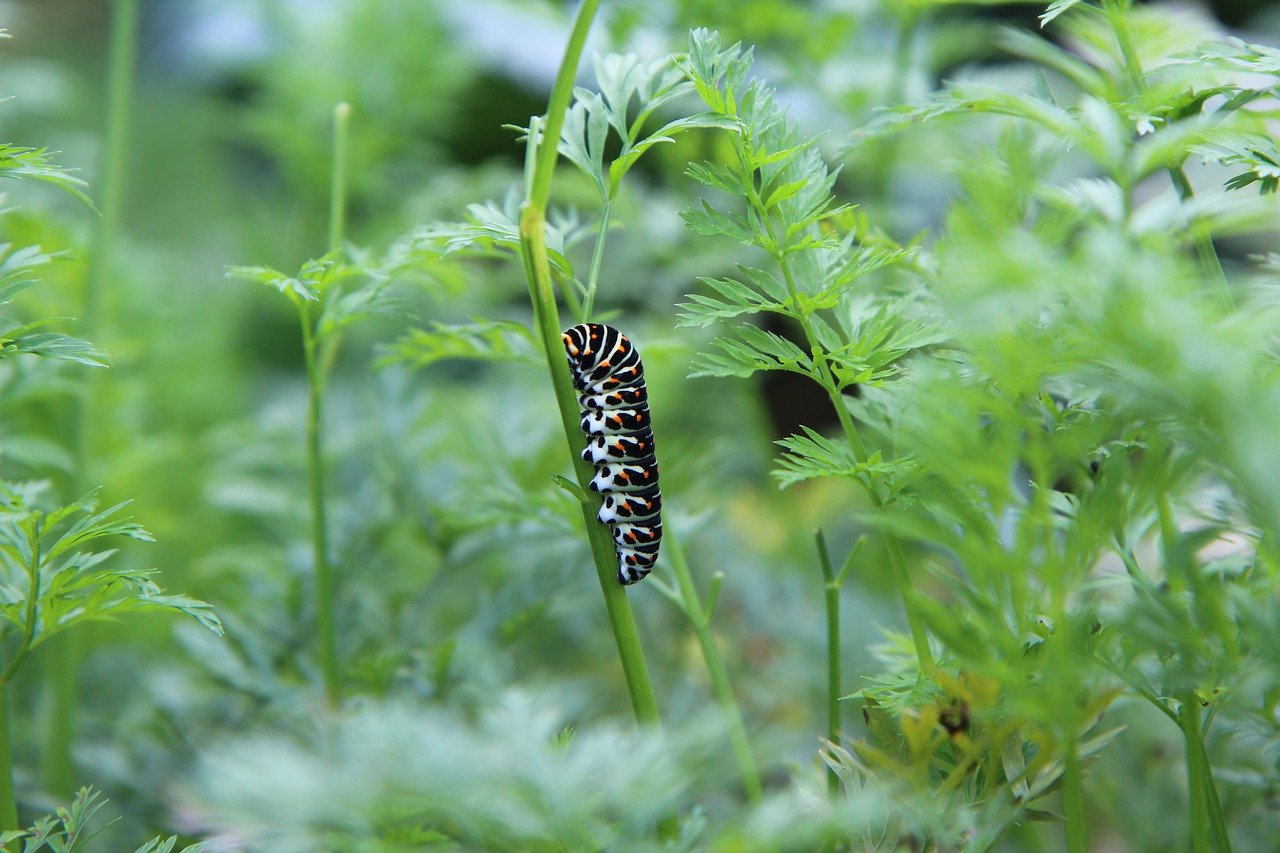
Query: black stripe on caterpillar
x=609, y=377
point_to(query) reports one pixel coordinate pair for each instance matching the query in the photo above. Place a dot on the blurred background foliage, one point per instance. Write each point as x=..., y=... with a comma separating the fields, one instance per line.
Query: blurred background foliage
x=470, y=628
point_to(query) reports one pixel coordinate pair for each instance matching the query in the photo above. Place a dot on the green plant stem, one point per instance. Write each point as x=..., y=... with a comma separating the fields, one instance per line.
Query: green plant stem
x=338, y=175
x=831, y=592
x=919, y=636
x=1189, y=717
x=1204, y=243
x=1128, y=54
x=8, y=801
x=546, y=317
x=328, y=650
x=1133, y=68
x=1073, y=802
x=597, y=256
x=906, y=590
x=8, y=796
x=29, y=611
x=1217, y=821
x=700, y=617
x=62, y=658
x=61, y=662
x=319, y=358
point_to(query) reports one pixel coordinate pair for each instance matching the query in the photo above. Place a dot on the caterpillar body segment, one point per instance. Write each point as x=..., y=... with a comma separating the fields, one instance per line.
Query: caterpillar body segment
x=605, y=448
x=625, y=476
x=609, y=377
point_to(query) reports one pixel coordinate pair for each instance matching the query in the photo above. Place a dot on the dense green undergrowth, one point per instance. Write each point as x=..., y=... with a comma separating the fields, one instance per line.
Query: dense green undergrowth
x=962, y=366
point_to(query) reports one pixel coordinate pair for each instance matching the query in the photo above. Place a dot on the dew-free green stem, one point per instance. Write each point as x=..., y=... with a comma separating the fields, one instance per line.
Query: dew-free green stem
x=328, y=648
x=1217, y=821
x=597, y=256
x=831, y=593
x=533, y=247
x=1073, y=802
x=8, y=798
x=1204, y=243
x=1189, y=717
x=338, y=175
x=319, y=360
x=61, y=659
x=699, y=617
x=906, y=590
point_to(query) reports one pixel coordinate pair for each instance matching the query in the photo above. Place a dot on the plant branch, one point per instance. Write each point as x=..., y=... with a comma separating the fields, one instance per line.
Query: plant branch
x=1189, y=717
x=1204, y=243
x=533, y=247
x=328, y=650
x=699, y=617
x=597, y=256
x=831, y=593
x=8, y=796
x=338, y=175
x=1073, y=802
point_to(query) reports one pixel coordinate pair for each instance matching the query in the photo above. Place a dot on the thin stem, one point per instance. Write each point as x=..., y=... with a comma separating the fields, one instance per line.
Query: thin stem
x=1189, y=717
x=1073, y=802
x=61, y=663
x=29, y=610
x=698, y=616
x=546, y=317
x=319, y=520
x=1133, y=67
x=8, y=796
x=902, y=57
x=1204, y=243
x=540, y=190
x=827, y=378
x=1217, y=821
x=124, y=26
x=831, y=592
x=338, y=175
x=597, y=255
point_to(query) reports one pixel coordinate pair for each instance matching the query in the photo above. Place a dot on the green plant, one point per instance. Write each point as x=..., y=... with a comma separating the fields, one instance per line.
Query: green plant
x=52, y=579
x=69, y=829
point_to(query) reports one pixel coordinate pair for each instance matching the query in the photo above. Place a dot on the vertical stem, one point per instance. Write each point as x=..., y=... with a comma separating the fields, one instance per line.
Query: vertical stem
x=831, y=592
x=61, y=658
x=338, y=175
x=1133, y=67
x=920, y=637
x=1189, y=718
x=597, y=256
x=328, y=650
x=319, y=359
x=1217, y=821
x=719, y=673
x=1204, y=243
x=546, y=317
x=1073, y=802
x=8, y=798
x=61, y=661
x=124, y=25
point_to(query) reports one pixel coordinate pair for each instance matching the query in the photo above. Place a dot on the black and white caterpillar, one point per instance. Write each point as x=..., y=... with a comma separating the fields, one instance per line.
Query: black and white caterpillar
x=609, y=377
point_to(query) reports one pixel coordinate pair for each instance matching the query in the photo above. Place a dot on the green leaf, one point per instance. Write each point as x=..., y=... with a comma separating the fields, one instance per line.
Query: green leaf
x=1056, y=8
x=751, y=350
x=710, y=222
x=16, y=267
x=480, y=340
x=18, y=162
x=666, y=133
x=735, y=300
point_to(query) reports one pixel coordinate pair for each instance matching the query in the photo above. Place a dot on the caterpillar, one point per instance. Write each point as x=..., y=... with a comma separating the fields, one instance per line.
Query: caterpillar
x=609, y=378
